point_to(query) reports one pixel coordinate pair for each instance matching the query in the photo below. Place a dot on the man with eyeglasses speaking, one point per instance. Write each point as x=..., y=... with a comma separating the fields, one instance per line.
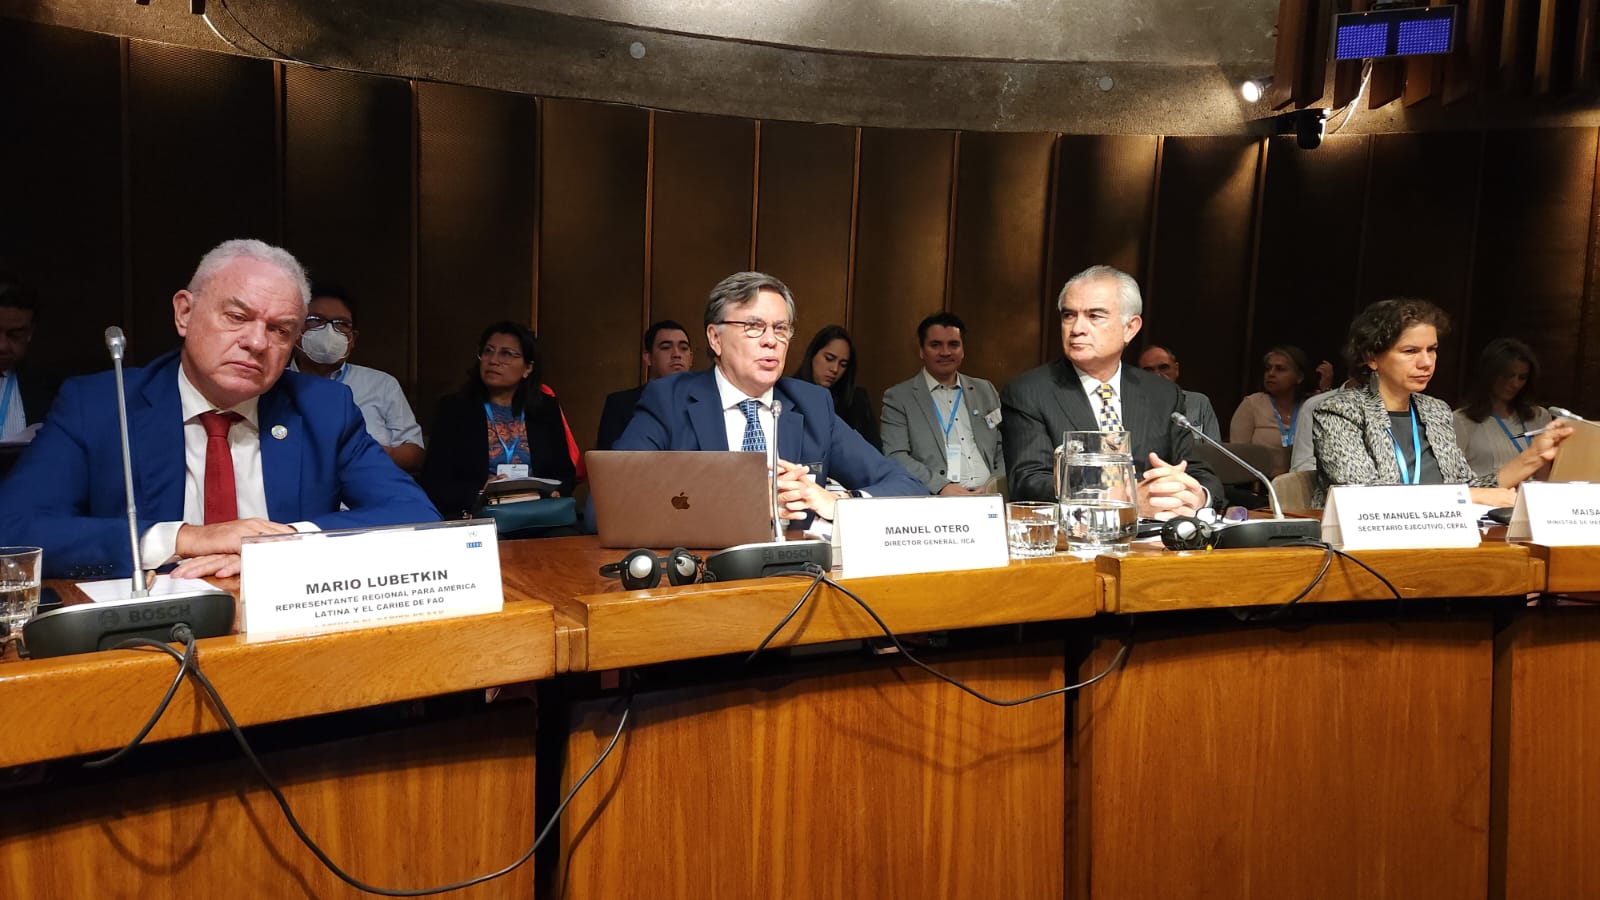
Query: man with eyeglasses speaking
x=749, y=322
x=324, y=350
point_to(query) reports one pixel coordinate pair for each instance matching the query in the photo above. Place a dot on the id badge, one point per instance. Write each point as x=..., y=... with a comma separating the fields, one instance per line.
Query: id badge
x=952, y=462
x=511, y=470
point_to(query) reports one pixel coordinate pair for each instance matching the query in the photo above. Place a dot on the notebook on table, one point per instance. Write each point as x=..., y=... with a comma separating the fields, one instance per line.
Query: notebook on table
x=1579, y=456
x=699, y=499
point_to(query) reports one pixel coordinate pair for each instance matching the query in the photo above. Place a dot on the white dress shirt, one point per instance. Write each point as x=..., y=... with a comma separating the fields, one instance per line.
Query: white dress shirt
x=733, y=416
x=973, y=471
x=382, y=403
x=159, y=544
x=16, y=421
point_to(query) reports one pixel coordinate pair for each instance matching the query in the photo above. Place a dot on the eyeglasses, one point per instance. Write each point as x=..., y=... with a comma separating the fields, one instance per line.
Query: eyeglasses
x=343, y=326
x=504, y=353
x=754, y=328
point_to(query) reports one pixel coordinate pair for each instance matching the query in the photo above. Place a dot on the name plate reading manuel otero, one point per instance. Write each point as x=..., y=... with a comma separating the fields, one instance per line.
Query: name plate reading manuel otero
x=1400, y=517
x=329, y=580
x=1556, y=515
x=900, y=535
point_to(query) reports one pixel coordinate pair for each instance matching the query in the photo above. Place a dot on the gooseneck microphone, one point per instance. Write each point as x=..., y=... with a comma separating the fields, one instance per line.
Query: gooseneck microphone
x=85, y=627
x=1568, y=414
x=772, y=469
x=1256, y=532
x=116, y=343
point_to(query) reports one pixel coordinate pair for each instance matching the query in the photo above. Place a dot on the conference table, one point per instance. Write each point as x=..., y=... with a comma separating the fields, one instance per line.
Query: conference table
x=1354, y=745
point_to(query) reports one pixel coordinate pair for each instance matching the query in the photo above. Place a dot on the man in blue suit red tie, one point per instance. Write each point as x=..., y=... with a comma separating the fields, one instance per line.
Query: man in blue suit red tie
x=749, y=323
x=225, y=445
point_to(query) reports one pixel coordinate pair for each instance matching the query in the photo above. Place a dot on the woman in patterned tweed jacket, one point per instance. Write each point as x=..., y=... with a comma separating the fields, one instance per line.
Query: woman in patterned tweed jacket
x=1392, y=348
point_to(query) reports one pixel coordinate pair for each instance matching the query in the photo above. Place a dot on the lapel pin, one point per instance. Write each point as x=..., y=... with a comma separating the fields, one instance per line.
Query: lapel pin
x=280, y=432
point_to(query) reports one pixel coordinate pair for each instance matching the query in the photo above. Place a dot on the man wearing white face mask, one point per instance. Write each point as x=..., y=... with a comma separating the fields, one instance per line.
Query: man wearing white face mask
x=324, y=349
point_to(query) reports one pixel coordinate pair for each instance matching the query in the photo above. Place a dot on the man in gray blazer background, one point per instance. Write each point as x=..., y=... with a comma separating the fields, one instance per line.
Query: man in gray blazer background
x=941, y=425
x=1091, y=390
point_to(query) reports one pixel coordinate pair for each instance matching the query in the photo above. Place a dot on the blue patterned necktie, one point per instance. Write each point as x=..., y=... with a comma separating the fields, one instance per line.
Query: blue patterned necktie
x=754, y=440
x=1109, y=420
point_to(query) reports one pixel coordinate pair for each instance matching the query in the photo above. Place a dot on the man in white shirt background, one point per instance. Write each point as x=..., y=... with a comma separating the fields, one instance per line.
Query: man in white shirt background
x=25, y=394
x=324, y=350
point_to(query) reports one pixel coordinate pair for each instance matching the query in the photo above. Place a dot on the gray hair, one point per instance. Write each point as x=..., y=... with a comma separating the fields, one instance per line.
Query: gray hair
x=249, y=248
x=741, y=288
x=1128, y=297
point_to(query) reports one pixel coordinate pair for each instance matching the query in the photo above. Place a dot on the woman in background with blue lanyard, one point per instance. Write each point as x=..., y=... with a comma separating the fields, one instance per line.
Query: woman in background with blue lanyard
x=503, y=423
x=1269, y=417
x=1496, y=415
x=1388, y=432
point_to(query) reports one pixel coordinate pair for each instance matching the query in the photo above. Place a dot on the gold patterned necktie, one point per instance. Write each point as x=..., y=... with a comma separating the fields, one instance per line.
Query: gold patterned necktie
x=1109, y=420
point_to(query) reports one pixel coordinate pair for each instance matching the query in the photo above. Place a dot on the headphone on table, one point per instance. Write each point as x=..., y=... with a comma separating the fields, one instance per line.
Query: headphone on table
x=1188, y=533
x=642, y=569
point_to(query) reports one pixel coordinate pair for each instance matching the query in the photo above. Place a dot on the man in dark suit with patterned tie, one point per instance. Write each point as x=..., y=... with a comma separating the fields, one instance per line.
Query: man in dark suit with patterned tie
x=1091, y=390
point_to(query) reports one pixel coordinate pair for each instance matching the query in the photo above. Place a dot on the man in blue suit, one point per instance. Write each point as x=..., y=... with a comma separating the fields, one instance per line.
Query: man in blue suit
x=225, y=445
x=749, y=324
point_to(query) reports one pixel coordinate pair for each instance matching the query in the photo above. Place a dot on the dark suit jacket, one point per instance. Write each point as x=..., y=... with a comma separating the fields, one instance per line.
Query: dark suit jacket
x=615, y=415
x=1043, y=403
x=684, y=412
x=457, y=463
x=66, y=493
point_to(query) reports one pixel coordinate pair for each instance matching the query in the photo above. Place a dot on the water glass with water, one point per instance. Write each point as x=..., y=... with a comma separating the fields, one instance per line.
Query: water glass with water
x=1031, y=529
x=19, y=587
x=1099, y=494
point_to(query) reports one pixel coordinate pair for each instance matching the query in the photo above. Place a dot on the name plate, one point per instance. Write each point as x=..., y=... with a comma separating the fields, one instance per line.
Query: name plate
x=899, y=535
x=1556, y=515
x=1400, y=517
x=329, y=580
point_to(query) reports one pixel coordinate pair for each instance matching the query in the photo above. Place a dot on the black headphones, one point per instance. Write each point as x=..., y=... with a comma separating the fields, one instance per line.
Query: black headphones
x=1188, y=533
x=641, y=569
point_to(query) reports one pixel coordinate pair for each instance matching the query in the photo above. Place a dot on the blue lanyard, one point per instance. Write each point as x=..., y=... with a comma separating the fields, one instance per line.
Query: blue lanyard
x=953, y=410
x=1513, y=438
x=1286, y=436
x=1416, y=447
x=510, y=449
x=5, y=399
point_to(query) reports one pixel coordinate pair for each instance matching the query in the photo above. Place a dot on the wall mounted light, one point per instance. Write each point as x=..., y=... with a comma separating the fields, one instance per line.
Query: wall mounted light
x=1255, y=89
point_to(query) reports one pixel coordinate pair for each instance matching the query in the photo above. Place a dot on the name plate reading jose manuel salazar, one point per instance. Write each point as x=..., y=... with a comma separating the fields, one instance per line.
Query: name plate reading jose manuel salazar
x=899, y=535
x=1556, y=515
x=321, y=581
x=1400, y=517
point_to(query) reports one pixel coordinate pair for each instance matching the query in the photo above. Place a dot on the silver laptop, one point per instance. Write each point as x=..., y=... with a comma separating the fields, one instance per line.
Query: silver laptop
x=699, y=499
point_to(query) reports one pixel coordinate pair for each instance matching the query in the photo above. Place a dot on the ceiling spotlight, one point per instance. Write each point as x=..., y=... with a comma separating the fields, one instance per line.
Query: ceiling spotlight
x=1255, y=89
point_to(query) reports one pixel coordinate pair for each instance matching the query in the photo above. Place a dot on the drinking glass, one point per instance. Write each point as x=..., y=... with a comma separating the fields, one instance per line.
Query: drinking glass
x=19, y=587
x=1031, y=529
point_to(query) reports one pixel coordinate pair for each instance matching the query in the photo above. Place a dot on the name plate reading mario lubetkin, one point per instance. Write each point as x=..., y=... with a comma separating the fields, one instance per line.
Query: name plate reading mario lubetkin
x=900, y=535
x=322, y=581
x=1556, y=515
x=1400, y=517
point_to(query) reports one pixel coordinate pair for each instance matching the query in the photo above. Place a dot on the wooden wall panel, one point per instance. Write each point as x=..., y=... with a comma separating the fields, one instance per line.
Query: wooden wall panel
x=591, y=252
x=202, y=168
x=476, y=211
x=61, y=187
x=1532, y=236
x=902, y=248
x=803, y=215
x=349, y=188
x=1002, y=198
x=1306, y=277
x=703, y=177
x=1199, y=285
x=1422, y=205
x=1104, y=197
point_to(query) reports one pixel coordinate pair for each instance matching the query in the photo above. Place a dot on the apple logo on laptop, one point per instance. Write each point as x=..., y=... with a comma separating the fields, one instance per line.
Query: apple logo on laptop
x=681, y=501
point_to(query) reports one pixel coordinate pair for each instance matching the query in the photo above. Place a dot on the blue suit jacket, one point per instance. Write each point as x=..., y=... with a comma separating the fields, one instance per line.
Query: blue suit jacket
x=66, y=492
x=684, y=412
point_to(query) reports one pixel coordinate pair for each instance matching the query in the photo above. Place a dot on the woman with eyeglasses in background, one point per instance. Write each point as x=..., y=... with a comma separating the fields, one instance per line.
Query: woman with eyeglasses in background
x=503, y=423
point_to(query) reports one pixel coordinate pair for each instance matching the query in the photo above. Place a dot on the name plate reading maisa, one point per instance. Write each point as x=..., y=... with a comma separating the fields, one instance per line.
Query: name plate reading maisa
x=324, y=581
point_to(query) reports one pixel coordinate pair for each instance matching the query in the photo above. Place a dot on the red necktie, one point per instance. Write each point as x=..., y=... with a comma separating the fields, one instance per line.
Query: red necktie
x=221, y=504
